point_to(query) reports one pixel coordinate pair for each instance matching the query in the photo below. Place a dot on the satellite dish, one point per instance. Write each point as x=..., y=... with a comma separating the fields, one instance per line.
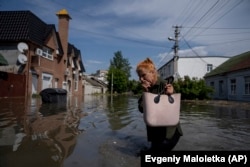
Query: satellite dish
x=21, y=46
x=22, y=59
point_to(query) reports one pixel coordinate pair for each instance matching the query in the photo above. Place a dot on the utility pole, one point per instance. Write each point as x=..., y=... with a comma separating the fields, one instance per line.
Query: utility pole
x=176, y=47
x=112, y=83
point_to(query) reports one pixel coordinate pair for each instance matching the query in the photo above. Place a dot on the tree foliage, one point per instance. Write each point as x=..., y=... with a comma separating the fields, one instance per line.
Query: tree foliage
x=135, y=87
x=192, y=88
x=119, y=73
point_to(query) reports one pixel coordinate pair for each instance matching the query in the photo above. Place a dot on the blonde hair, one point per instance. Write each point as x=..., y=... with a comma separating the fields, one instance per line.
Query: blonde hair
x=145, y=64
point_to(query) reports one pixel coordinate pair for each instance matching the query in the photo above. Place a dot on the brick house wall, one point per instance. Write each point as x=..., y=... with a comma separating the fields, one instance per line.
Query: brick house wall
x=37, y=65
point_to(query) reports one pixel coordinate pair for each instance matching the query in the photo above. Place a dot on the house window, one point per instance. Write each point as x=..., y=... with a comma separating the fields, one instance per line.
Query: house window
x=56, y=82
x=221, y=85
x=169, y=69
x=233, y=86
x=75, y=80
x=76, y=85
x=212, y=84
x=247, y=85
x=209, y=67
x=47, y=53
x=64, y=85
x=46, y=78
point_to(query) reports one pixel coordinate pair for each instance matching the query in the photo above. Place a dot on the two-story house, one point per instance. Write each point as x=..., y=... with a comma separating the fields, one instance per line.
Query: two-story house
x=36, y=56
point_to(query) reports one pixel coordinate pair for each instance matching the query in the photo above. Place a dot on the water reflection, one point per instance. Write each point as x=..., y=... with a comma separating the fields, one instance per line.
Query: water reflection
x=119, y=112
x=211, y=127
x=106, y=131
x=38, y=135
x=113, y=133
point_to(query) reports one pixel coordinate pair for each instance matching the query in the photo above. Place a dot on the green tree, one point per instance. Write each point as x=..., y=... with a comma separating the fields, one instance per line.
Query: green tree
x=192, y=88
x=135, y=87
x=119, y=73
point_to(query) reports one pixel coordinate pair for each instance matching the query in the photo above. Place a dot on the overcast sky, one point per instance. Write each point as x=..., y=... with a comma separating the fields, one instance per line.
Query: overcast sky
x=140, y=28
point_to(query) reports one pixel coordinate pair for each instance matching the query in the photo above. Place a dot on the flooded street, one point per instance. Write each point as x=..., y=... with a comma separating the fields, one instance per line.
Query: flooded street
x=106, y=131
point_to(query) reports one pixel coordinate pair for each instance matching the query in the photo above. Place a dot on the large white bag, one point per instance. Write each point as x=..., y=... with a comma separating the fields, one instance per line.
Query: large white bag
x=161, y=110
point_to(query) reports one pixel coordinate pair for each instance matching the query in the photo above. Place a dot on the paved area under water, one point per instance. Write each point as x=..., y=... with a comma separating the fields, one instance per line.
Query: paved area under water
x=107, y=131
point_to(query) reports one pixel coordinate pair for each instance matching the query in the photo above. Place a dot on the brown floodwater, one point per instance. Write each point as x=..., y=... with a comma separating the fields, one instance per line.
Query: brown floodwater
x=106, y=131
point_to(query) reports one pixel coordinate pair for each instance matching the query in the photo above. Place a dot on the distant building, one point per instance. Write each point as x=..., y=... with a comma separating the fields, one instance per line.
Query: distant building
x=101, y=75
x=93, y=85
x=231, y=80
x=193, y=66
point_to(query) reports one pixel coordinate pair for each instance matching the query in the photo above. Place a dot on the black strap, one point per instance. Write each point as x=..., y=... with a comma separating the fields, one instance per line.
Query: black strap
x=161, y=87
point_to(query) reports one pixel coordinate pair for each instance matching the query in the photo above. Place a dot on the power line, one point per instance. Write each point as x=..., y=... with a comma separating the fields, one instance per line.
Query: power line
x=196, y=8
x=142, y=41
x=202, y=16
x=197, y=53
x=163, y=58
x=223, y=43
x=230, y=9
x=226, y=13
x=221, y=28
x=221, y=34
x=122, y=38
x=107, y=23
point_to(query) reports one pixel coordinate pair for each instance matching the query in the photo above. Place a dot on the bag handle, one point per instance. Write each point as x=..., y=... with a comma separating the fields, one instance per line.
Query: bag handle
x=169, y=80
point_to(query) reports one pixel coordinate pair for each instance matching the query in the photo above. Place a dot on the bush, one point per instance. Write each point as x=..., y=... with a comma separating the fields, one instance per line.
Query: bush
x=191, y=89
x=135, y=87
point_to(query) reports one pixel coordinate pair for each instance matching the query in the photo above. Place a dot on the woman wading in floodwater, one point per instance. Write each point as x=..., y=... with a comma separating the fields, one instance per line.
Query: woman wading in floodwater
x=161, y=138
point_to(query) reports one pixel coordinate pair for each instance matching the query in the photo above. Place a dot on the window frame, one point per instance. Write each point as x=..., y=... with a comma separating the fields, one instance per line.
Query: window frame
x=247, y=85
x=209, y=67
x=233, y=86
x=47, y=53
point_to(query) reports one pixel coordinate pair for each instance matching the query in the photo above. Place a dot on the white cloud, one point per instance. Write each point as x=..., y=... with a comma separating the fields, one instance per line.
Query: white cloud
x=200, y=50
x=94, y=62
x=153, y=20
x=103, y=24
x=165, y=57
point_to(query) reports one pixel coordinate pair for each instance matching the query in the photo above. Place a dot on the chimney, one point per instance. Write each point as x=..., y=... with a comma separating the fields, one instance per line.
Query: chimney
x=63, y=29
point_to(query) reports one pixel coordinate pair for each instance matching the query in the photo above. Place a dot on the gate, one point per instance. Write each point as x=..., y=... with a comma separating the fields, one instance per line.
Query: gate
x=12, y=85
